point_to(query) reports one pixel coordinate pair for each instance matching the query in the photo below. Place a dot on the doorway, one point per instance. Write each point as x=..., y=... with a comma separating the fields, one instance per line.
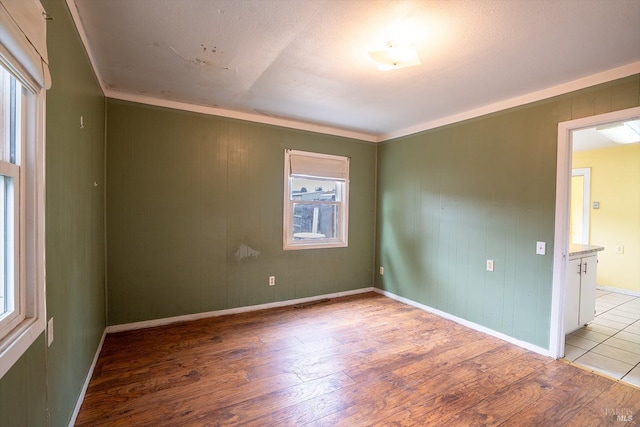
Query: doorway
x=562, y=217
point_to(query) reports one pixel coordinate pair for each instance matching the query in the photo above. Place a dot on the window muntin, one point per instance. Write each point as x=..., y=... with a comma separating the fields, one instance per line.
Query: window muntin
x=316, y=200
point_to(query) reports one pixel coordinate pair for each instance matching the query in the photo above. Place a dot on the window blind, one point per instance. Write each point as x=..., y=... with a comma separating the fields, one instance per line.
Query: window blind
x=23, y=31
x=319, y=165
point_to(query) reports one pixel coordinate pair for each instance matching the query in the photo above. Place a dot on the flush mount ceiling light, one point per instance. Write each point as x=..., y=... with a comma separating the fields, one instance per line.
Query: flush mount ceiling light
x=395, y=55
x=622, y=133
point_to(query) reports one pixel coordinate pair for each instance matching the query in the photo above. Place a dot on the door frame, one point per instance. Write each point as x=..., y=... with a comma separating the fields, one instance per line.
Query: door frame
x=561, y=236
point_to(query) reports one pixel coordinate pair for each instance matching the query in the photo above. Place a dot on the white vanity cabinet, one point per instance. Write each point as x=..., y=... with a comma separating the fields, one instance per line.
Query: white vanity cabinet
x=580, y=297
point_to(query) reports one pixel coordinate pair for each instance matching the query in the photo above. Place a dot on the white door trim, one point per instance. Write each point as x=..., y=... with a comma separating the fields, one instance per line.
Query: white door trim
x=561, y=240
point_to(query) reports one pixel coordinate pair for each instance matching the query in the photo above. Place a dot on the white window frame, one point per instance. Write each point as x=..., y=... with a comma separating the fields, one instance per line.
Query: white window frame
x=321, y=167
x=23, y=55
x=14, y=197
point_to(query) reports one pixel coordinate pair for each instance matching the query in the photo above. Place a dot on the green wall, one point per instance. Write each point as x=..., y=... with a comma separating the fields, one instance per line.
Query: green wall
x=43, y=387
x=453, y=197
x=190, y=195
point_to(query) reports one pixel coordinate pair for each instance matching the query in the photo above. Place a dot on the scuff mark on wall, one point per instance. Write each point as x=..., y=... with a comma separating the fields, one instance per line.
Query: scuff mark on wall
x=245, y=252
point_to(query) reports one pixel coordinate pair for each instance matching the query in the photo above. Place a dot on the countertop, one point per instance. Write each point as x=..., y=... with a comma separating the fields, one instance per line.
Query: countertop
x=575, y=250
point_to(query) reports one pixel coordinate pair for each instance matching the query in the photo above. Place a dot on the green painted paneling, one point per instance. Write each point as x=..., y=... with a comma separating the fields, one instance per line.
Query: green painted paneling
x=453, y=197
x=23, y=389
x=49, y=379
x=75, y=213
x=187, y=192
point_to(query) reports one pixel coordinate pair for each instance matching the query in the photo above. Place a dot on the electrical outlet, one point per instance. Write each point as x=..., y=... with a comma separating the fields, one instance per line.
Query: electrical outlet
x=489, y=265
x=541, y=248
x=272, y=280
x=50, y=332
x=619, y=249
x=381, y=270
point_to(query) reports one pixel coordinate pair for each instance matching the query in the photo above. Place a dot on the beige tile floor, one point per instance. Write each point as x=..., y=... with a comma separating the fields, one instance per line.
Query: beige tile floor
x=611, y=343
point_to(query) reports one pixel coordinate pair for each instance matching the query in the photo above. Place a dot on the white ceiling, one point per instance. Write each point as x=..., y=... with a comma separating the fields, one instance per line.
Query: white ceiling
x=306, y=60
x=590, y=139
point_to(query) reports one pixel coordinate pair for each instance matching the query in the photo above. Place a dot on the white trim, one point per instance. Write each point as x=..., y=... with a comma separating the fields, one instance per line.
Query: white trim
x=467, y=323
x=561, y=236
x=240, y=115
x=73, y=9
x=619, y=290
x=585, y=173
x=595, y=79
x=87, y=380
x=196, y=316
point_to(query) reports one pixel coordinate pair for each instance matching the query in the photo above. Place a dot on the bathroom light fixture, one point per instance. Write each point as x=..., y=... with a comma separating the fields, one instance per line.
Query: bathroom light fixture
x=622, y=133
x=395, y=55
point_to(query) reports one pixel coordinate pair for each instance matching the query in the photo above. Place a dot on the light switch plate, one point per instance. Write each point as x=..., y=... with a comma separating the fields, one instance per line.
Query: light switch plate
x=541, y=248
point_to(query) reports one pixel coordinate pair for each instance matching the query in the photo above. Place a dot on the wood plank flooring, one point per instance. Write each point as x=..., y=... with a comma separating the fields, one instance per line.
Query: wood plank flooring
x=353, y=361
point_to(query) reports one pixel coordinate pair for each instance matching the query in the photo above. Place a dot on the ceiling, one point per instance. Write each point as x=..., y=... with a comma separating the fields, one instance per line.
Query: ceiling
x=304, y=63
x=590, y=139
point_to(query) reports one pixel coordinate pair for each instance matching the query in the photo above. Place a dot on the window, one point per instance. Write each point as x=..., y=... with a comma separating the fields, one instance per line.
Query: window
x=12, y=304
x=24, y=77
x=316, y=200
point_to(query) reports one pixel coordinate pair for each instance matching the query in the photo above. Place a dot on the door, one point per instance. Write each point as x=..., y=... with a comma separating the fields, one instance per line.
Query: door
x=572, y=296
x=579, y=206
x=588, y=290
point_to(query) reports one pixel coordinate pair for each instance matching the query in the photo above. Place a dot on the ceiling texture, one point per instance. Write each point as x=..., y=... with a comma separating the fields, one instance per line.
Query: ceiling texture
x=305, y=63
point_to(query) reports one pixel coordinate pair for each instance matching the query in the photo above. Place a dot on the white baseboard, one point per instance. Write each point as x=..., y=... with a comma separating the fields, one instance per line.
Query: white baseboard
x=619, y=290
x=467, y=323
x=197, y=316
x=76, y=410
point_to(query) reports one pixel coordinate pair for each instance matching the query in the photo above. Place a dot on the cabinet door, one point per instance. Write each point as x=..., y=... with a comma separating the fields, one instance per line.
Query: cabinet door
x=572, y=297
x=588, y=290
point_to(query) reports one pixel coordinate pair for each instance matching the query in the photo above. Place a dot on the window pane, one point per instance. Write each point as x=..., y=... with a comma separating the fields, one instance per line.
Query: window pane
x=312, y=189
x=11, y=94
x=315, y=221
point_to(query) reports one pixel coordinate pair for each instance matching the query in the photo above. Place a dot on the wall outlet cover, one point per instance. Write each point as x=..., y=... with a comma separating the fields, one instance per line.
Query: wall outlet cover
x=489, y=265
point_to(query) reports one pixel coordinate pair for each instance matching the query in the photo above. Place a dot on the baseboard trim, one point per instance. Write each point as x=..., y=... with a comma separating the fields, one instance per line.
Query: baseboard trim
x=83, y=392
x=619, y=290
x=196, y=316
x=467, y=323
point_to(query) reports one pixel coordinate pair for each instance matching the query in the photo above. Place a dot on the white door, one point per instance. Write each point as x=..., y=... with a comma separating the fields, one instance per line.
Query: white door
x=588, y=290
x=579, y=206
x=572, y=296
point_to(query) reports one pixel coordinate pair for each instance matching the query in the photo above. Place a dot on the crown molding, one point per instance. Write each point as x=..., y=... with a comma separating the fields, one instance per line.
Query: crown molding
x=240, y=115
x=561, y=89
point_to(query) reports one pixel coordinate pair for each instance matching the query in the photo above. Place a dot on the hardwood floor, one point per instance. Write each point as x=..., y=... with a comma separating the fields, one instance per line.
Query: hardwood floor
x=360, y=360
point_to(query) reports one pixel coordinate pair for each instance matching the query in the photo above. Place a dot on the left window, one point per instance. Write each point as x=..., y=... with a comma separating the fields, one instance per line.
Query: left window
x=12, y=126
x=24, y=78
